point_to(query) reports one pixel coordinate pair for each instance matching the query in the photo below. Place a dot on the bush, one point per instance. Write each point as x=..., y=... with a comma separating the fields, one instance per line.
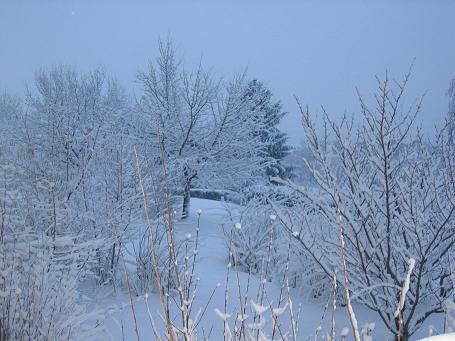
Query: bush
x=39, y=299
x=257, y=241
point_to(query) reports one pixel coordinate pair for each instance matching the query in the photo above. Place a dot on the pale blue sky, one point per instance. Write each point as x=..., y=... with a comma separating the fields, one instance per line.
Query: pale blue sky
x=318, y=50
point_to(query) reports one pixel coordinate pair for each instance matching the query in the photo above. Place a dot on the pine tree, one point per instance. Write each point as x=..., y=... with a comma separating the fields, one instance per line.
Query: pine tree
x=275, y=142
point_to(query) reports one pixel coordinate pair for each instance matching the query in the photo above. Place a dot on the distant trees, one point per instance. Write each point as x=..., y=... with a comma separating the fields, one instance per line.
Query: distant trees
x=392, y=196
x=451, y=113
x=205, y=131
x=295, y=160
x=10, y=120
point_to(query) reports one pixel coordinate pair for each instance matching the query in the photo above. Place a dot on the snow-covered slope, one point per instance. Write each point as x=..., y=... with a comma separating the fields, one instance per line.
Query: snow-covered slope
x=211, y=270
x=445, y=337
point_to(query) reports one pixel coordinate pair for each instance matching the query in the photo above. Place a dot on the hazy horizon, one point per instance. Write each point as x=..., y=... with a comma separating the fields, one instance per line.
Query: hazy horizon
x=319, y=51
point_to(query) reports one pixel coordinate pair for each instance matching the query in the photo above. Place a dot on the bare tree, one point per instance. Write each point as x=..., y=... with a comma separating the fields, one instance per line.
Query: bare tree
x=77, y=172
x=202, y=128
x=392, y=192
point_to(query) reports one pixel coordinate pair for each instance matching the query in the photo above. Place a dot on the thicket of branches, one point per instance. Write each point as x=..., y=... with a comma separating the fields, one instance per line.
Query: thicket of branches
x=71, y=203
x=211, y=134
x=391, y=192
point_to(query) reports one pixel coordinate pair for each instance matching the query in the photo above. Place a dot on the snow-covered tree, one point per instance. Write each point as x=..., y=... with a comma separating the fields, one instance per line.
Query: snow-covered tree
x=275, y=141
x=295, y=161
x=77, y=175
x=200, y=129
x=390, y=196
x=256, y=240
x=39, y=275
x=10, y=120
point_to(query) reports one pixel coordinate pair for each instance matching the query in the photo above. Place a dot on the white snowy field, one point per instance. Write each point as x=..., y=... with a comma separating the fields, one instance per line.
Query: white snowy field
x=211, y=270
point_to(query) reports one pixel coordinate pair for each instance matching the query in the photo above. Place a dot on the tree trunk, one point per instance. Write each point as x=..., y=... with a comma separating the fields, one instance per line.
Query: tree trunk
x=404, y=337
x=403, y=332
x=113, y=259
x=186, y=200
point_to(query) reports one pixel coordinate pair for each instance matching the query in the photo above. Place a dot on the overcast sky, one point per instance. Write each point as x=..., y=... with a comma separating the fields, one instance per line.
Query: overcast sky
x=318, y=50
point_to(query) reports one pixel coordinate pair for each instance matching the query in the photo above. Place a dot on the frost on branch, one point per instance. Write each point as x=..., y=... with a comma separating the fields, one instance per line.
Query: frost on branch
x=394, y=192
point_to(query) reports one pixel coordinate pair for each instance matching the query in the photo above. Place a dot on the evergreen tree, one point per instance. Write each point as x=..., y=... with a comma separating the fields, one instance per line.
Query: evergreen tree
x=264, y=107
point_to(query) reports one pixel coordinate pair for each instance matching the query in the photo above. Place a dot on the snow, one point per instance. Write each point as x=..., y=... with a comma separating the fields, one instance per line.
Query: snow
x=445, y=337
x=311, y=50
x=405, y=288
x=221, y=315
x=259, y=309
x=211, y=269
x=344, y=332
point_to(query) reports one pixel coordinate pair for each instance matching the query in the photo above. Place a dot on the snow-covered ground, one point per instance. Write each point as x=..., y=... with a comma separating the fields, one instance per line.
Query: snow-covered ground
x=211, y=269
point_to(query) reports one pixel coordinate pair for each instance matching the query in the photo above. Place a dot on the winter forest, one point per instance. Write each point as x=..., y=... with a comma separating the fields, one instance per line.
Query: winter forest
x=191, y=201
